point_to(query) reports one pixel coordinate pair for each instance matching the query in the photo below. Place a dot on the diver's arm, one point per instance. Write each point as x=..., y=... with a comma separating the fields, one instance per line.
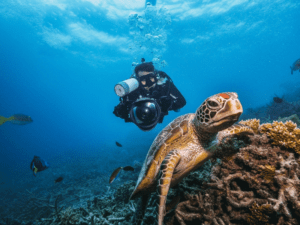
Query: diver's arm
x=121, y=110
x=177, y=99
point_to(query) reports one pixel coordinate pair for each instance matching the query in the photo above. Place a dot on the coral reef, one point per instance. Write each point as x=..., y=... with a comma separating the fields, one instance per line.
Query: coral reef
x=258, y=185
x=109, y=210
x=294, y=118
x=45, y=202
x=286, y=135
x=283, y=109
x=253, y=123
x=276, y=111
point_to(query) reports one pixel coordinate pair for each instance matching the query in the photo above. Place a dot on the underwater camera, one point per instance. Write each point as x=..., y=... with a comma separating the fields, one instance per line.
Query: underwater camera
x=145, y=113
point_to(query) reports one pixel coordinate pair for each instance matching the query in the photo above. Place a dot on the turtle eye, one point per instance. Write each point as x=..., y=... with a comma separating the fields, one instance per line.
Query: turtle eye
x=212, y=104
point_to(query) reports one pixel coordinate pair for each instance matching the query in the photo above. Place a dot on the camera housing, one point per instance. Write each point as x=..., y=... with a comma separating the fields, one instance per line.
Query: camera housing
x=145, y=113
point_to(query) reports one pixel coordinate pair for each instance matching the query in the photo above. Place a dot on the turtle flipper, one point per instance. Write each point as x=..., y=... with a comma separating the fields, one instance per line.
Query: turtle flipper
x=140, y=209
x=225, y=135
x=233, y=131
x=167, y=168
x=237, y=129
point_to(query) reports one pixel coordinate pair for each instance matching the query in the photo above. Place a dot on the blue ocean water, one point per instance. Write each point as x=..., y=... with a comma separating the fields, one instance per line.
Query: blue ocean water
x=60, y=60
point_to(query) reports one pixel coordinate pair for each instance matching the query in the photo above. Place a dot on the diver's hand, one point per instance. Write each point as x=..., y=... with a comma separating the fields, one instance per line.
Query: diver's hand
x=120, y=110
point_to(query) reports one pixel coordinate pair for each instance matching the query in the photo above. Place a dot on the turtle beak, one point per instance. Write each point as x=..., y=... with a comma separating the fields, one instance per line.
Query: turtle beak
x=229, y=114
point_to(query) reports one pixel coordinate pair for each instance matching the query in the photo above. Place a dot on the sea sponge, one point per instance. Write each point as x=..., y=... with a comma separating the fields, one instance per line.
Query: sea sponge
x=253, y=123
x=286, y=134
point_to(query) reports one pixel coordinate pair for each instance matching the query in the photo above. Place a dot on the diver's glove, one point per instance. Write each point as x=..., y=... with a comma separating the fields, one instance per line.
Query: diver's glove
x=121, y=110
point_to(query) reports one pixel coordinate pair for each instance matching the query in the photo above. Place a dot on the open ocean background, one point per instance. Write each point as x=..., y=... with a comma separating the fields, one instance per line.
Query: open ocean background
x=60, y=60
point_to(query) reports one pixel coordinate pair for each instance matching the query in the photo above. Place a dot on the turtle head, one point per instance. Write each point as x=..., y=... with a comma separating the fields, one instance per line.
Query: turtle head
x=218, y=112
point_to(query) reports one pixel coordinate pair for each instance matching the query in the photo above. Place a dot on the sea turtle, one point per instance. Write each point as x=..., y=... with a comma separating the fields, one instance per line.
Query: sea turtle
x=183, y=146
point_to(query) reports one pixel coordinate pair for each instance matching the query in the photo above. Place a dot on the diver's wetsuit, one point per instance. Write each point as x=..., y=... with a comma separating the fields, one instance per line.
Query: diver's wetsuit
x=166, y=95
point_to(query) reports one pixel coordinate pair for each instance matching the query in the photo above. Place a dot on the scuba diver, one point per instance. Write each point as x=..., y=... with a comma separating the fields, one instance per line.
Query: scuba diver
x=38, y=165
x=147, y=97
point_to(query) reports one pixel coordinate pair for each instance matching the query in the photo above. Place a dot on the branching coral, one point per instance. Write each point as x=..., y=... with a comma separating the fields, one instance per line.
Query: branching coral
x=258, y=185
x=268, y=172
x=69, y=216
x=259, y=214
x=294, y=118
x=253, y=123
x=285, y=134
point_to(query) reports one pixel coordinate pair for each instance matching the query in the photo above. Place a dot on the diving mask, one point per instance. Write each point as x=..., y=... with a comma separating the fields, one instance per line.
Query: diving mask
x=148, y=81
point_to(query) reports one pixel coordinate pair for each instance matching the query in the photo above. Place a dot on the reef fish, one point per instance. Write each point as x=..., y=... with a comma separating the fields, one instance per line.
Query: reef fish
x=117, y=171
x=128, y=168
x=18, y=119
x=277, y=100
x=295, y=66
x=59, y=179
x=118, y=144
x=38, y=165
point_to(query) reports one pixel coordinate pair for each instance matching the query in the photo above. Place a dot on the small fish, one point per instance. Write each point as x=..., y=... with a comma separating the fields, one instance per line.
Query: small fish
x=58, y=179
x=118, y=144
x=18, y=119
x=128, y=168
x=38, y=165
x=117, y=171
x=295, y=66
x=114, y=174
x=277, y=100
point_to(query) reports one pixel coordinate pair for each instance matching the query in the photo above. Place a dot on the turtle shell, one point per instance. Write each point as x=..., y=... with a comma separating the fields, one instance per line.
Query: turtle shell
x=168, y=139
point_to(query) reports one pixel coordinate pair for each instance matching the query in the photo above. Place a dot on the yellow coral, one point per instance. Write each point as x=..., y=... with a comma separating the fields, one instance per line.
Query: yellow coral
x=283, y=134
x=268, y=172
x=253, y=123
x=259, y=214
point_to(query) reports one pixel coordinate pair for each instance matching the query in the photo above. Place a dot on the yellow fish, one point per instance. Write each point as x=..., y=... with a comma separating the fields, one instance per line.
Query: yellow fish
x=18, y=119
x=116, y=172
x=35, y=170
